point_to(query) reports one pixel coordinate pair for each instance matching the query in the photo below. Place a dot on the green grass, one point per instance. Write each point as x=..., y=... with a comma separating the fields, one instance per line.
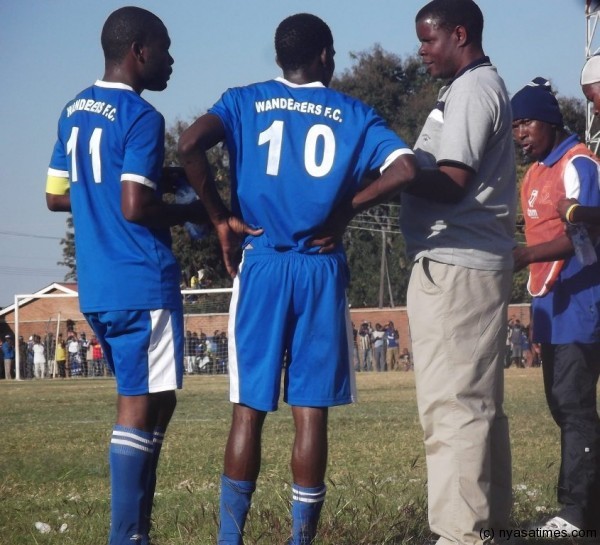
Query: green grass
x=54, y=469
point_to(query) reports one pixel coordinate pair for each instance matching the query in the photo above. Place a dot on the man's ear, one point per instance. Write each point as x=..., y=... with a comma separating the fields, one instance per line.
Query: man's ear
x=461, y=35
x=137, y=49
x=323, y=56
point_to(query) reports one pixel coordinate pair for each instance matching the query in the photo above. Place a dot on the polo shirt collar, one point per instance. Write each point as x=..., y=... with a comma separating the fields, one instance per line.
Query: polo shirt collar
x=483, y=61
x=556, y=154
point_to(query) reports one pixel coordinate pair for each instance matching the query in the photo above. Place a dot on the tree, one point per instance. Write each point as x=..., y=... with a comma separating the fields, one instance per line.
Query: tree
x=574, y=113
x=68, y=244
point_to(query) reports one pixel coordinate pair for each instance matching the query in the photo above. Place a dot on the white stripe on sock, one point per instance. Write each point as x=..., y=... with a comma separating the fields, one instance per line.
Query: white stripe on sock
x=130, y=435
x=308, y=497
x=131, y=444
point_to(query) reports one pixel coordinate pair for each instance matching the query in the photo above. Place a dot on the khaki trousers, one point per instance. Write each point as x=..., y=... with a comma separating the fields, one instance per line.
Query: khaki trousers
x=458, y=324
x=8, y=365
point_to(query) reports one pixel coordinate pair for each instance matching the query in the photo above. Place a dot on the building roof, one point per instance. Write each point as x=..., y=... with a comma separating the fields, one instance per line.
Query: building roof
x=64, y=287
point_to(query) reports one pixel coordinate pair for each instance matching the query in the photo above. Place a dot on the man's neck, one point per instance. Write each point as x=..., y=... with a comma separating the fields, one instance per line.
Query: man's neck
x=301, y=77
x=117, y=73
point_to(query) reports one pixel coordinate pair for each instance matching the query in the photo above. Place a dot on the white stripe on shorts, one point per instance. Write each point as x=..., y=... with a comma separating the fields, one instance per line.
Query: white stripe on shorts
x=161, y=353
x=234, y=377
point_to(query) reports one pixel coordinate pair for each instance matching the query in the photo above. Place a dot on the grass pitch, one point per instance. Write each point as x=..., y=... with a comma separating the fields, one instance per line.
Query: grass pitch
x=54, y=463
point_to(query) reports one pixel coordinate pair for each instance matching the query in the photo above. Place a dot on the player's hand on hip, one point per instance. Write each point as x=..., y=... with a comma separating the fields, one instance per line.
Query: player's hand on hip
x=231, y=233
x=326, y=242
x=330, y=235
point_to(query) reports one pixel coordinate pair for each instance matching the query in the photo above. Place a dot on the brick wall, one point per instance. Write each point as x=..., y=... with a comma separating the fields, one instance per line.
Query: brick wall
x=41, y=316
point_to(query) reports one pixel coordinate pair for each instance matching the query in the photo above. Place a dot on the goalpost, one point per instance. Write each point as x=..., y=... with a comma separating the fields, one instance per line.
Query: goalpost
x=195, y=302
x=32, y=296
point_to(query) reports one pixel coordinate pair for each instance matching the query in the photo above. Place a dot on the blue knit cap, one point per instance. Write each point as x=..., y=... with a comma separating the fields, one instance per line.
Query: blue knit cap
x=537, y=101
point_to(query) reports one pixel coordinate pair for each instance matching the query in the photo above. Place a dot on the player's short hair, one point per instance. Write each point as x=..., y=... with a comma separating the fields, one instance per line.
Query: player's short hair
x=452, y=13
x=299, y=39
x=125, y=26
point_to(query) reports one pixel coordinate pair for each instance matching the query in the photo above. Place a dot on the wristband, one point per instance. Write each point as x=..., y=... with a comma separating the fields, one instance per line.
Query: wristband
x=569, y=213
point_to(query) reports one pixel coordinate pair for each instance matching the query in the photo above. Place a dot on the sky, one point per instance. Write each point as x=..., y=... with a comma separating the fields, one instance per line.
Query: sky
x=50, y=50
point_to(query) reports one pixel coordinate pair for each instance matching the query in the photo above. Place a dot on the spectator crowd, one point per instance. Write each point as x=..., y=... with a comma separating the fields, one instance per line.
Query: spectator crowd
x=49, y=356
x=378, y=348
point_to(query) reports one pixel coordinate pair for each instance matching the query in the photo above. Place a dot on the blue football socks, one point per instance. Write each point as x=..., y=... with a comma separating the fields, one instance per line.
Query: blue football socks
x=236, y=497
x=130, y=456
x=157, y=441
x=306, y=510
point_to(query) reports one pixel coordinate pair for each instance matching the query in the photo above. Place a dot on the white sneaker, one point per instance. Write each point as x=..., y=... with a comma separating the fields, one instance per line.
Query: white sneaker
x=559, y=524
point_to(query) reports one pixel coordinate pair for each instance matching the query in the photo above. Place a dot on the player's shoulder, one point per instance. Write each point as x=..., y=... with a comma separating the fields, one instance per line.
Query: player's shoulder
x=251, y=88
x=127, y=97
x=111, y=100
x=581, y=157
x=280, y=85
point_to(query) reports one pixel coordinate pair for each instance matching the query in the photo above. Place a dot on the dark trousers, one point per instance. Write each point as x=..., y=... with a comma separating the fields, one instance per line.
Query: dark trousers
x=570, y=378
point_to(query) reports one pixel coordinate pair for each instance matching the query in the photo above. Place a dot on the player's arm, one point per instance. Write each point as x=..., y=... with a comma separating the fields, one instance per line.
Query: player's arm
x=141, y=204
x=207, y=131
x=445, y=184
x=400, y=172
x=194, y=142
x=582, y=186
x=553, y=250
x=577, y=212
x=58, y=198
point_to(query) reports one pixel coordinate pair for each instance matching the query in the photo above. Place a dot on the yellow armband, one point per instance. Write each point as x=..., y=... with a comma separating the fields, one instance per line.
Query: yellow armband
x=569, y=213
x=57, y=185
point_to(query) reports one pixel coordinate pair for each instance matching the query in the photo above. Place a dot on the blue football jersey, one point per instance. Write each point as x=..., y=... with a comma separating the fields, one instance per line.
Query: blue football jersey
x=297, y=152
x=107, y=134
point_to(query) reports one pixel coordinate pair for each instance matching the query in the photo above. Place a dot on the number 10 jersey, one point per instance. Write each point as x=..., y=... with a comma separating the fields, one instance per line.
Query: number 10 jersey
x=296, y=153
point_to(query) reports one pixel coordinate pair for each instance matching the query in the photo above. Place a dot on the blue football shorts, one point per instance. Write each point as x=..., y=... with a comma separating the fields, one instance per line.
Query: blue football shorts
x=143, y=348
x=293, y=307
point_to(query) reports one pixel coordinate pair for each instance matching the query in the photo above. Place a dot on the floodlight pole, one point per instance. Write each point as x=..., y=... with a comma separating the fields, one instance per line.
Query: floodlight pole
x=592, y=15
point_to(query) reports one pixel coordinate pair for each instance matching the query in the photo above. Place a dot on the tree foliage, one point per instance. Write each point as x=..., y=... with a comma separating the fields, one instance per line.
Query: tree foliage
x=68, y=244
x=574, y=113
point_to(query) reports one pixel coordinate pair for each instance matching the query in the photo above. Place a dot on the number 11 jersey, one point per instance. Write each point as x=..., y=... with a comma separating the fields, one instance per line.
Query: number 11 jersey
x=108, y=134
